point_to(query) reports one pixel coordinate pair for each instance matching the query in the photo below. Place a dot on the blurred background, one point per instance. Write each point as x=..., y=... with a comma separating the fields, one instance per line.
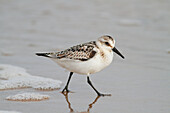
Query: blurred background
x=141, y=28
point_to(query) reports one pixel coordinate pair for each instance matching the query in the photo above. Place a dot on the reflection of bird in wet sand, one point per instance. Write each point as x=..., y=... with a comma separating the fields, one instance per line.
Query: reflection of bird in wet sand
x=72, y=110
x=86, y=59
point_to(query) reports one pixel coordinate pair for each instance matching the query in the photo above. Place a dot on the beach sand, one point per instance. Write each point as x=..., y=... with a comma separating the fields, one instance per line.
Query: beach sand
x=139, y=84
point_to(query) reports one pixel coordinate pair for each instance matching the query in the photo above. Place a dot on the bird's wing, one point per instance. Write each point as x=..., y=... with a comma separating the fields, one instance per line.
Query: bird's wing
x=82, y=52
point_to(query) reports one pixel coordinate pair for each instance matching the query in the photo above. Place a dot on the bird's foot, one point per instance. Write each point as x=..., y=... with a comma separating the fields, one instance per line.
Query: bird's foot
x=100, y=94
x=65, y=90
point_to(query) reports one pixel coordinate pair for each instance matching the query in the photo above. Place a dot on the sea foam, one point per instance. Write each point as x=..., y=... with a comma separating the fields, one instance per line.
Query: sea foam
x=13, y=77
x=28, y=97
x=1, y=111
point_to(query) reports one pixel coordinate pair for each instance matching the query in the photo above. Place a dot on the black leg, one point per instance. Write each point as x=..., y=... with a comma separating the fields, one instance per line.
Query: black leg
x=98, y=93
x=66, y=87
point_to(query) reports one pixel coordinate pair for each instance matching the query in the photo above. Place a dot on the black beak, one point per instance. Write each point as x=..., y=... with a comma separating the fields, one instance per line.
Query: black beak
x=116, y=51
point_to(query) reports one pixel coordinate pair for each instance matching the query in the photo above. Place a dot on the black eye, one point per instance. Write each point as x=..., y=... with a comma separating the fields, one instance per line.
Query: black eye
x=107, y=43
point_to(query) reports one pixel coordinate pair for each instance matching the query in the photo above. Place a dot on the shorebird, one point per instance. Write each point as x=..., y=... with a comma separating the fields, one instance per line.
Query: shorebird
x=86, y=59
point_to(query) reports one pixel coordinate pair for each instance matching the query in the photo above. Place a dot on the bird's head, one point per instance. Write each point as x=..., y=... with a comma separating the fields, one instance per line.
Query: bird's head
x=108, y=43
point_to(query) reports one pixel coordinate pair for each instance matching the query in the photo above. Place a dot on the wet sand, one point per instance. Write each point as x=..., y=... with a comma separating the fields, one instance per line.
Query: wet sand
x=138, y=84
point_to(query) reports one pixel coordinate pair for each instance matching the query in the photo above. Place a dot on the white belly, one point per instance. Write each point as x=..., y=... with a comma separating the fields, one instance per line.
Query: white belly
x=93, y=65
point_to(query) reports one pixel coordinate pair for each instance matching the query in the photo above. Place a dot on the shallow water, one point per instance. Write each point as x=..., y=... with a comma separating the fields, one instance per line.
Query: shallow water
x=140, y=83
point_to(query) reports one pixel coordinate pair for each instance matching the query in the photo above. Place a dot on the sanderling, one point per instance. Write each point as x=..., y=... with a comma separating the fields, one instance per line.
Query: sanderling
x=86, y=59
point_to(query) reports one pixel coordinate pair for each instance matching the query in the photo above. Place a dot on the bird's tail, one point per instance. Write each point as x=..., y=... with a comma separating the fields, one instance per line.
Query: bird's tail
x=44, y=54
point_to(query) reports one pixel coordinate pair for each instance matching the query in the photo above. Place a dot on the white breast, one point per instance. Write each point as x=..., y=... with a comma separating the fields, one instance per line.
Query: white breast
x=93, y=65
